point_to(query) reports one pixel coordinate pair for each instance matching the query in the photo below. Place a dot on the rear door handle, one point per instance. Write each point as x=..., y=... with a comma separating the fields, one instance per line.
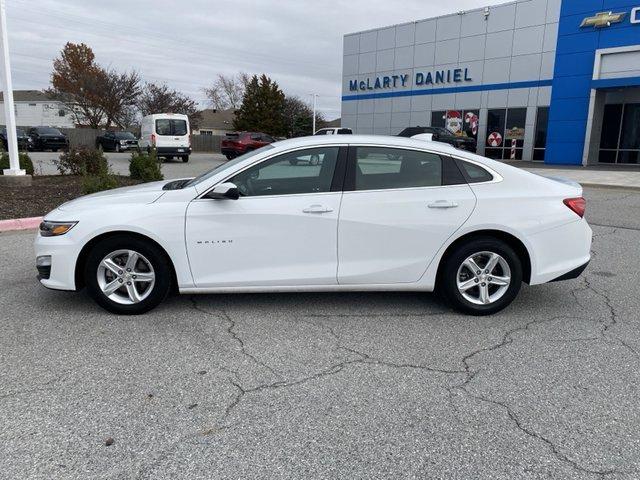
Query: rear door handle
x=317, y=209
x=443, y=204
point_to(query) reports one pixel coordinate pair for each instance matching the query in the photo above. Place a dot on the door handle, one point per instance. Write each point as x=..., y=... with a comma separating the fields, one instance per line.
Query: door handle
x=317, y=209
x=443, y=204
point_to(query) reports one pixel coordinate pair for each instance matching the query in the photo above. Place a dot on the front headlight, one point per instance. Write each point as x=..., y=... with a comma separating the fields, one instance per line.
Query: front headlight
x=55, y=229
x=123, y=142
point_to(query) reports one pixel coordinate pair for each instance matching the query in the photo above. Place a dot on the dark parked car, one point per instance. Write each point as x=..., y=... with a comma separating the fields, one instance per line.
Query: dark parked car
x=235, y=144
x=117, y=141
x=48, y=138
x=24, y=141
x=442, y=135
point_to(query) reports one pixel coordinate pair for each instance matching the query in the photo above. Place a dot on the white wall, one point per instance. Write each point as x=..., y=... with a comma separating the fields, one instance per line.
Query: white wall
x=32, y=114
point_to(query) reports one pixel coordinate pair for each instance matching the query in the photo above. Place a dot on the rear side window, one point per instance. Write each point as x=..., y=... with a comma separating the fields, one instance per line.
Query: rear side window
x=166, y=126
x=345, y=131
x=473, y=173
x=378, y=168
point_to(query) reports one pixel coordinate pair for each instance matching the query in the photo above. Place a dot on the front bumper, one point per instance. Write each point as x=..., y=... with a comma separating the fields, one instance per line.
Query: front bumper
x=63, y=252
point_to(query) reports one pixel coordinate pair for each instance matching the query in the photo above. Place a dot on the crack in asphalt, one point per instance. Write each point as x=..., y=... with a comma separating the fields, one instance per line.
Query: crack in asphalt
x=633, y=229
x=231, y=325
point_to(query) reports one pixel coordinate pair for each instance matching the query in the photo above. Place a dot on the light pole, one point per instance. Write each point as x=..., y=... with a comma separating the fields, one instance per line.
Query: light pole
x=9, y=112
x=315, y=96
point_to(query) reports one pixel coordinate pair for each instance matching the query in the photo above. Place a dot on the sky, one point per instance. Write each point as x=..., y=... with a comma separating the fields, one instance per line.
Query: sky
x=186, y=43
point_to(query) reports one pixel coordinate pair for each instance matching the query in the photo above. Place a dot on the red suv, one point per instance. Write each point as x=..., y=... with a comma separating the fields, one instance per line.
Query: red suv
x=235, y=144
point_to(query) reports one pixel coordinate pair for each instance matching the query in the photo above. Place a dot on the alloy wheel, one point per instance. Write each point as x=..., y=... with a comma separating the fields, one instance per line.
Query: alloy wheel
x=126, y=277
x=483, y=278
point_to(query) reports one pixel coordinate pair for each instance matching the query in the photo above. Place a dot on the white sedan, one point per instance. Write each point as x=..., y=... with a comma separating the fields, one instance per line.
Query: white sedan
x=373, y=213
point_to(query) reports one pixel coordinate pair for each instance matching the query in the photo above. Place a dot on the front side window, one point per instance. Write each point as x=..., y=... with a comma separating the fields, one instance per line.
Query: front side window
x=303, y=171
x=166, y=126
x=379, y=168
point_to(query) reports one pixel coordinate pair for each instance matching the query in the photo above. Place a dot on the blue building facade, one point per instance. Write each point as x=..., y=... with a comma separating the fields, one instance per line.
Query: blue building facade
x=549, y=80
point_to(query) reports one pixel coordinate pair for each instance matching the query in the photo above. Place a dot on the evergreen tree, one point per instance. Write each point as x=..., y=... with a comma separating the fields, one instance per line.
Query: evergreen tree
x=262, y=108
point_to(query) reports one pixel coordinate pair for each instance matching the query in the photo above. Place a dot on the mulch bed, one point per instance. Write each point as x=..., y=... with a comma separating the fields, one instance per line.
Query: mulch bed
x=46, y=193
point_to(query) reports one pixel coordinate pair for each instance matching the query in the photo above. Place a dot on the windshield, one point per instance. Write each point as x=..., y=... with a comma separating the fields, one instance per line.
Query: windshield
x=125, y=136
x=222, y=167
x=48, y=131
x=166, y=126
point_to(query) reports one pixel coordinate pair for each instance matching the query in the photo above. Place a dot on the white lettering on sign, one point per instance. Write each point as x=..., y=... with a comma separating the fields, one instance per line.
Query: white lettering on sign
x=635, y=15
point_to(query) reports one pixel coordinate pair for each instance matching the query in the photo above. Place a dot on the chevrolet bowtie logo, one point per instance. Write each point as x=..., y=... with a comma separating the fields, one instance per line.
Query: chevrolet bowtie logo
x=603, y=19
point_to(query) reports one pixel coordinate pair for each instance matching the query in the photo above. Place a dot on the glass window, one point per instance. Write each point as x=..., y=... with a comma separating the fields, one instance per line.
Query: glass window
x=611, y=126
x=474, y=173
x=438, y=119
x=303, y=171
x=166, y=126
x=542, y=122
x=630, y=133
x=380, y=168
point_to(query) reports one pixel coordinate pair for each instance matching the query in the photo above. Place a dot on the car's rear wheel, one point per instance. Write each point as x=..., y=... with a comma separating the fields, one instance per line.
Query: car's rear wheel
x=185, y=158
x=126, y=275
x=481, y=277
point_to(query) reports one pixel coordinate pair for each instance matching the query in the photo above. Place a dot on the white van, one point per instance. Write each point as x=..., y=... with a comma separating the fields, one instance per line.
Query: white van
x=169, y=133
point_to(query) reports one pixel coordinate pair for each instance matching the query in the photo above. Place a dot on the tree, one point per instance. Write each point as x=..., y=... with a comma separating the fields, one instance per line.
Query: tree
x=79, y=83
x=119, y=98
x=298, y=117
x=262, y=108
x=161, y=99
x=227, y=91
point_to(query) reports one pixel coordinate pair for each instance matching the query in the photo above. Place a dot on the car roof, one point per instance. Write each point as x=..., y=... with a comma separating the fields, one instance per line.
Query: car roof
x=374, y=140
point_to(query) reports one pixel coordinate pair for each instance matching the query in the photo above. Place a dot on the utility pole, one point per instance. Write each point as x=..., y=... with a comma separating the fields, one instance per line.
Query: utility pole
x=315, y=96
x=9, y=112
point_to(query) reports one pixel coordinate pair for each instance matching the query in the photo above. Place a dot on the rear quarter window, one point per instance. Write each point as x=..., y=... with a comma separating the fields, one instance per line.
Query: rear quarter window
x=474, y=173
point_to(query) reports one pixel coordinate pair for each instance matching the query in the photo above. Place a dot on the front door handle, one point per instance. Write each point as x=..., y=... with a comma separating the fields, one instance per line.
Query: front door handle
x=443, y=204
x=317, y=209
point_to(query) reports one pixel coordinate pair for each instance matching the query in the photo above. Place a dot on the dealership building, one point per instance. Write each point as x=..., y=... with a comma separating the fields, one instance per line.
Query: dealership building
x=548, y=80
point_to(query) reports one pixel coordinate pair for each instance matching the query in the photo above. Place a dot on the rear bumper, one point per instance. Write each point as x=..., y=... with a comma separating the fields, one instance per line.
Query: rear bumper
x=560, y=253
x=575, y=273
x=174, y=150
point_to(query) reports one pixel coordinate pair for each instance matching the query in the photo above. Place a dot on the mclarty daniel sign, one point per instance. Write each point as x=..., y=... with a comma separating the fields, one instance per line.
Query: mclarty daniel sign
x=436, y=77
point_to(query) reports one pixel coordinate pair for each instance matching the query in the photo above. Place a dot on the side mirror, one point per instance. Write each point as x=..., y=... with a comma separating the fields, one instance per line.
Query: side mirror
x=223, y=191
x=436, y=137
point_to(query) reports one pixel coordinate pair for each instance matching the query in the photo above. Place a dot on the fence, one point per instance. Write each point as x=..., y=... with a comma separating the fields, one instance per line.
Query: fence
x=88, y=136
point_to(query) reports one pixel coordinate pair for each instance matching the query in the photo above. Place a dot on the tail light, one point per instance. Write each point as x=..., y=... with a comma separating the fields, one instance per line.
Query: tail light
x=578, y=205
x=153, y=139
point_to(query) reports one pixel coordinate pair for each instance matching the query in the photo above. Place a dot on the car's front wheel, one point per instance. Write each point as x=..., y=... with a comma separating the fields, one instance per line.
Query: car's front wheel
x=481, y=277
x=127, y=275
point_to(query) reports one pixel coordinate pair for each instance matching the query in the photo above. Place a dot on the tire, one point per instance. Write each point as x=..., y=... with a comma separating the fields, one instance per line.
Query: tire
x=229, y=156
x=485, y=293
x=185, y=158
x=150, y=292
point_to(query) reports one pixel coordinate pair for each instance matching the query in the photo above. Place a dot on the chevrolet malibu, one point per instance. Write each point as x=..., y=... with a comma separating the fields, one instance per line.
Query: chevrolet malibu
x=374, y=213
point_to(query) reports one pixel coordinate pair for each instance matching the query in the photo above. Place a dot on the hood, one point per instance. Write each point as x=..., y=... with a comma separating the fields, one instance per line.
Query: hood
x=134, y=195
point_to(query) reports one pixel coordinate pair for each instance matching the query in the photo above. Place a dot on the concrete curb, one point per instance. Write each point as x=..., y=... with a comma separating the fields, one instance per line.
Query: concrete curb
x=633, y=188
x=19, y=224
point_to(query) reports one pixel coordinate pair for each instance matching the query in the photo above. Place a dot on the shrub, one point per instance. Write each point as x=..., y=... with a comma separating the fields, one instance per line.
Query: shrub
x=23, y=158
x=145, y=167
x=82, y=160
x=98, y=183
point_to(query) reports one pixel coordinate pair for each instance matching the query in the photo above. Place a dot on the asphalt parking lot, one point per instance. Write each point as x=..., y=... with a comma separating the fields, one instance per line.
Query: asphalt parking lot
x=198, y=163
x=345, y=385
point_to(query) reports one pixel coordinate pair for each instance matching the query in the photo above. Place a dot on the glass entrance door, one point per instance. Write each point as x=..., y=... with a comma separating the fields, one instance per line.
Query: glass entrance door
x=620, y=138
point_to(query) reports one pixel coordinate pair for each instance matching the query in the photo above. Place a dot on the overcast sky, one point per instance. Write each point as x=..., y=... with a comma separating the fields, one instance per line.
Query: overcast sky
x=185, y=43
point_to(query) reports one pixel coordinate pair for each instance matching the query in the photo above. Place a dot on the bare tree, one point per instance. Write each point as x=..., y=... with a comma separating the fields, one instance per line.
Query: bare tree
x=121, y=94
x=161, y=99
x=227, y=91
